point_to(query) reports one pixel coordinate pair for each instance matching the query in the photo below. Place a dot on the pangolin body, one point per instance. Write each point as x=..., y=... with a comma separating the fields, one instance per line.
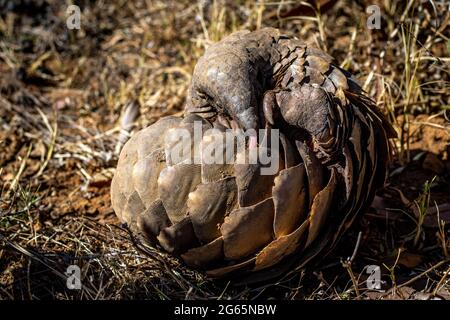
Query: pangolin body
x=229, y=218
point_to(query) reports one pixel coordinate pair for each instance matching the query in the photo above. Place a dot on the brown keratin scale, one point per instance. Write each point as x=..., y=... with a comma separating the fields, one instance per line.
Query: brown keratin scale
x=229, y=219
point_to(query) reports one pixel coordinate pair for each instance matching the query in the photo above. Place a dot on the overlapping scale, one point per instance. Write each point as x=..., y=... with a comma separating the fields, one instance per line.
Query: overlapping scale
x=226, y=217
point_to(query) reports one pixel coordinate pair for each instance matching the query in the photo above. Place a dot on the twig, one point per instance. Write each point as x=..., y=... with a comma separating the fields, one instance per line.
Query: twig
x=348, y=266
x=356, y=248
x=447, y=272
x=31, y=255
x=422, y=274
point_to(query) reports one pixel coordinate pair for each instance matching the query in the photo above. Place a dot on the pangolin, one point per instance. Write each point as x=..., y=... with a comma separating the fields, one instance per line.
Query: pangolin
x=228, y=218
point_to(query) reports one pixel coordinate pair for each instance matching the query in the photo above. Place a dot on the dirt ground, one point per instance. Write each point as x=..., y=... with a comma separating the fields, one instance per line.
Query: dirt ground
x=63, y=93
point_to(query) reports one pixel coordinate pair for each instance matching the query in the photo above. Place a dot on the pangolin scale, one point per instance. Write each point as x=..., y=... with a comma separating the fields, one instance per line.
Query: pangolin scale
x=229, y=219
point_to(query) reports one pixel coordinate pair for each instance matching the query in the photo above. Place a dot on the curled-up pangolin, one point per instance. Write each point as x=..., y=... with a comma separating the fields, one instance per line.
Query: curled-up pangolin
x=228, y=217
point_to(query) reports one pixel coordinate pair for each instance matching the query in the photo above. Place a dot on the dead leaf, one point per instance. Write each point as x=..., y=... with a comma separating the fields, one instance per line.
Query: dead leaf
x=433, y=163
x=380, y=206
x=410, y=260
x=431, y=218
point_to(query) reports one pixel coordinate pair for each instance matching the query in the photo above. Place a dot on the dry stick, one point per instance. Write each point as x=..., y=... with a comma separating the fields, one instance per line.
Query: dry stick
x=7, y=293
x=348, y=265
x=16, y=179
x=53, y=133
x=127, y=120
x=142, y=248
x=356, y=247
x=422, y=274
x=28, y=253
x=441, y=282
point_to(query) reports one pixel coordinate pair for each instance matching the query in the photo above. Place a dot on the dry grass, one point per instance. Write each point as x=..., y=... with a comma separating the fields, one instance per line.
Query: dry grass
x=62, y=94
